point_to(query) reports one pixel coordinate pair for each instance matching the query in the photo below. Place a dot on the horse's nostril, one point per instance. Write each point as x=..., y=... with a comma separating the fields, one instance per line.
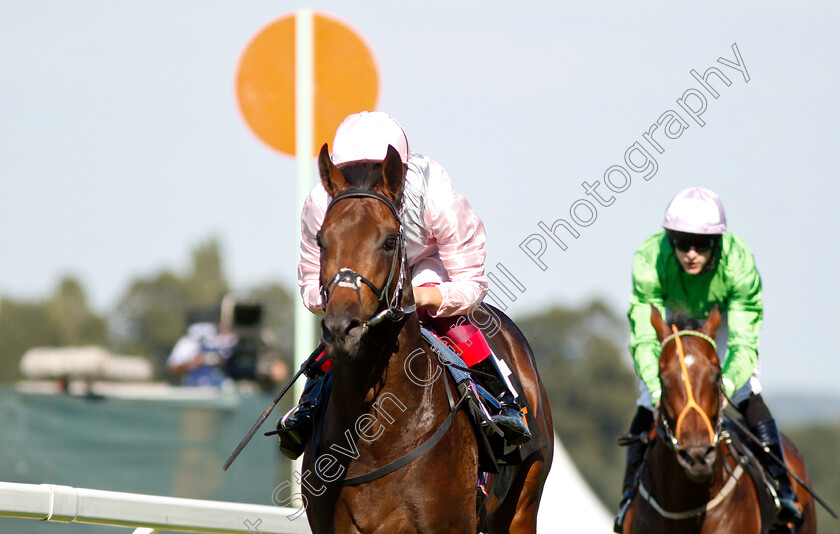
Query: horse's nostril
x=333, y=327
x=686, y=457
x=351, y=325
x=337, y=328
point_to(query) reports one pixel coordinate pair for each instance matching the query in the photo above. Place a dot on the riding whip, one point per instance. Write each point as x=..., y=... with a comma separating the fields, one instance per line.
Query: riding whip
x=267, y=412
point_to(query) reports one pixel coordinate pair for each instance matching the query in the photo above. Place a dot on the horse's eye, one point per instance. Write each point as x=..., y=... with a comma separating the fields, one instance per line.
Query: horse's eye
x=390, y=243
x=318, y=241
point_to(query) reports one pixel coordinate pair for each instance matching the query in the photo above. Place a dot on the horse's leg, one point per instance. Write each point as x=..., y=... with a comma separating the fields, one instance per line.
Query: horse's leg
x=631, y=520
x=641, y=519
x=517, y=513
x=796, y=464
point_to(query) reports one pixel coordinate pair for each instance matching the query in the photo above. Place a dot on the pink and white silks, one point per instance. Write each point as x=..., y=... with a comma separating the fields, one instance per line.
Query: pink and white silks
x=444, y=241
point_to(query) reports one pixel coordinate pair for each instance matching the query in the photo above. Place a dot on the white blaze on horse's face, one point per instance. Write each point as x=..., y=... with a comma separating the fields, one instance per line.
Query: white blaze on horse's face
x=691, y=407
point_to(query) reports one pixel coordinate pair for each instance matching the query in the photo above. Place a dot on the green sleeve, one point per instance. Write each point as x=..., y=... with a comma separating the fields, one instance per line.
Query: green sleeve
x=644, y=343
x=745, y=316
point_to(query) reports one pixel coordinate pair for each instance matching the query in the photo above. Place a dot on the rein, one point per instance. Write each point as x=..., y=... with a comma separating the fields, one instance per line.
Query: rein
x=346, y=277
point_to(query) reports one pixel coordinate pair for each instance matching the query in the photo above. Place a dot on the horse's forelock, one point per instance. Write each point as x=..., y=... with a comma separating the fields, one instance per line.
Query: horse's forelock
x=683, y=322
x=363, y=175
x=366, y=175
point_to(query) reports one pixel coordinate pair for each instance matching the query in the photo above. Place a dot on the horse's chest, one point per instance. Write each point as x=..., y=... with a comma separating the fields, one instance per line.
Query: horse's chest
x=425, y=496
x=401, y=507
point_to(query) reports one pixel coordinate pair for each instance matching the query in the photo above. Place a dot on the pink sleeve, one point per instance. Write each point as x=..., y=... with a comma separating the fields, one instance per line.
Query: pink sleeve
x=309, y=267
x=460, y=238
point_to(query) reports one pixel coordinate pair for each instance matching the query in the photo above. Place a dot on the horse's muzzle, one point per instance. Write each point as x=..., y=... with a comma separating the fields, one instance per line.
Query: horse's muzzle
x=342, y=335
x=697, y=462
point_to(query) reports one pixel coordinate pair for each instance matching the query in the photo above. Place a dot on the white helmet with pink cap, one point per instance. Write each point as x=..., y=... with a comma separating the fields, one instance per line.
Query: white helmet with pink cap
x=366, y=135
x=696, y=210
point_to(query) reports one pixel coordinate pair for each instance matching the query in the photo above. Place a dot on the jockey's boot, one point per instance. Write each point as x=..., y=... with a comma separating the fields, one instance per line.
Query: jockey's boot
x=767, y=432
x=642, y=422
x=510, y=418
x=635, y=454
x=294, y=428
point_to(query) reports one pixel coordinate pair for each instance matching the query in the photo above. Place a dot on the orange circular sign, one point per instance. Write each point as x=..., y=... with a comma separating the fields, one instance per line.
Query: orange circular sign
x=346, y=80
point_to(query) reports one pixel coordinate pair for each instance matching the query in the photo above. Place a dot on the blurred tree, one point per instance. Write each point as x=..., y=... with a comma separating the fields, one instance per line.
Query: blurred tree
x=77, y=324
x=152, y=314
x=64, y=319
x=150, y=317
x=278, y=318
x=584, y=365
x=23, y=325
x=206, y=283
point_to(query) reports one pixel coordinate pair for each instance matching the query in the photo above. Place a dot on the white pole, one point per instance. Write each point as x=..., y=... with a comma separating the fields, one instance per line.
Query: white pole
x=304, y=135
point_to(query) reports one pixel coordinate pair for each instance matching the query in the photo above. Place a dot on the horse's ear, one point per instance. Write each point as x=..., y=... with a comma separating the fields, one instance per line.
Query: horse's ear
x=393, y=175
x=662, y=330
x=331, y=177
x=711, y=325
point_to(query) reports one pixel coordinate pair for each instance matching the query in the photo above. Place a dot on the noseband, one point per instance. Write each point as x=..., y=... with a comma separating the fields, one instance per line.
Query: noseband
x=670, y=437
x=346, y=277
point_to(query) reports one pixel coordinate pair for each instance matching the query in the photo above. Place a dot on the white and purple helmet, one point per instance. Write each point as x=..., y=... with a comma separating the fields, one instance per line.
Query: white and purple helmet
x=365, y=136
x=695, y=210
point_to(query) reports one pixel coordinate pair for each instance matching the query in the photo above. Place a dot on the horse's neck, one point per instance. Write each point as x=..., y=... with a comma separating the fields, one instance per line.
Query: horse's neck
x=387, y=391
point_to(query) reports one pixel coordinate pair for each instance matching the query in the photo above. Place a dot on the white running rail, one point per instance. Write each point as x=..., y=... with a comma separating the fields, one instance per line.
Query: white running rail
x=147, y=513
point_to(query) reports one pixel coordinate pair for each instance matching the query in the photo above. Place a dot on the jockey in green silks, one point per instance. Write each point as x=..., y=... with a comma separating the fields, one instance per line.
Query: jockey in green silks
x=688, y=267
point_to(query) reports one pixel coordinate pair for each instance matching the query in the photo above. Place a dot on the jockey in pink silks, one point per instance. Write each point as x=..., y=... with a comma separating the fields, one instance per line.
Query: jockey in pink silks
x=445, y=248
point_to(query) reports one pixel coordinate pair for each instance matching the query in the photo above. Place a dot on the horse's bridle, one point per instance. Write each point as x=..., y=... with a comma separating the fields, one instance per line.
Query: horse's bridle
x=669, y=436
x=346, y=277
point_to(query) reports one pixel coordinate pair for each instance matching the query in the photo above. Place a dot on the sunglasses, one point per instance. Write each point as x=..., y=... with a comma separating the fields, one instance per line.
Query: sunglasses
x=698, y=243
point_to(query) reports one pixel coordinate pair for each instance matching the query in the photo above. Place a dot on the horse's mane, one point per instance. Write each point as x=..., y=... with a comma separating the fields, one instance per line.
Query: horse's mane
x=683, y=322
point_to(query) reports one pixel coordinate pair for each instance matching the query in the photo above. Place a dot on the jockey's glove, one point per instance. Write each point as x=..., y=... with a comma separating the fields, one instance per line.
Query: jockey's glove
x=728, y=386
x=655, y=396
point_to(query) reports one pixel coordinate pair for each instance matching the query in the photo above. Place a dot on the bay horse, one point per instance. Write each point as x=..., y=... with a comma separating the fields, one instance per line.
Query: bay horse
x=390, y=454
x=689, y=481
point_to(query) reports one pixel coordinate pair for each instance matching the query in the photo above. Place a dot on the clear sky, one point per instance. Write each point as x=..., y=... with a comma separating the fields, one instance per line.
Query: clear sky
x=121, y=145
